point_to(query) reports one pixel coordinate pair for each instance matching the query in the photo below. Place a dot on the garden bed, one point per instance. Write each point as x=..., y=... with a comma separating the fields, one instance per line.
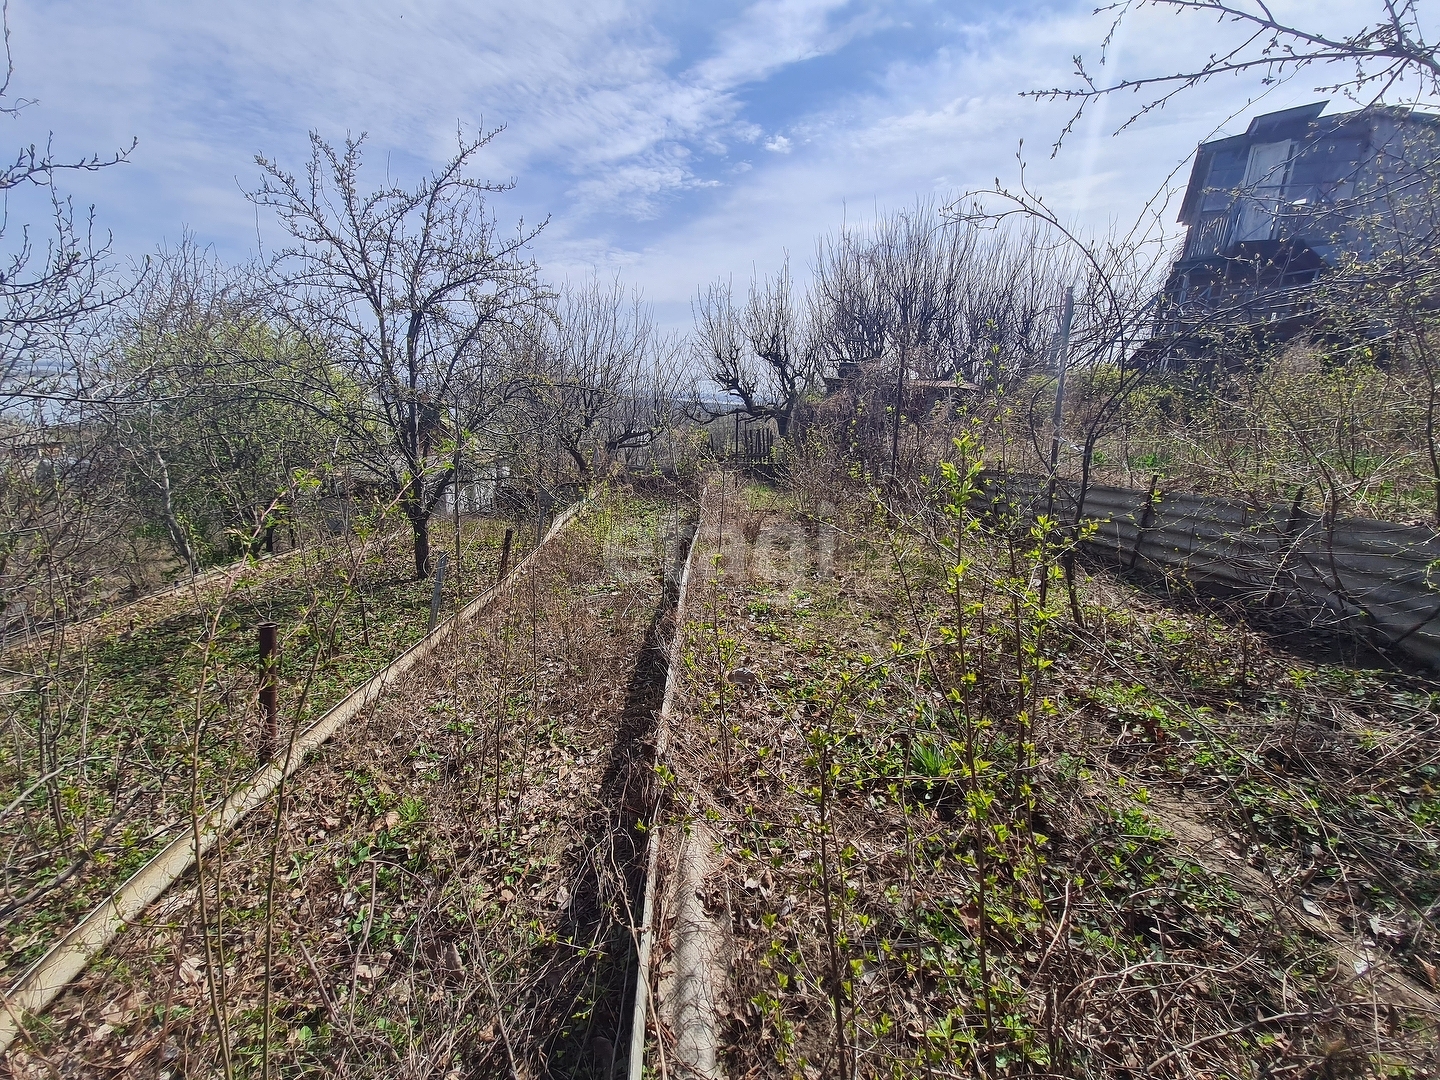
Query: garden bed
x=123, y=728
x=952, y=832
x=449, y=883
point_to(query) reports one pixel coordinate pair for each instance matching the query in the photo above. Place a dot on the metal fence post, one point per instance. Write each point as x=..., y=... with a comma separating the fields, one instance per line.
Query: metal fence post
x=269, y=688
x=438, y=592
x=1062, y=357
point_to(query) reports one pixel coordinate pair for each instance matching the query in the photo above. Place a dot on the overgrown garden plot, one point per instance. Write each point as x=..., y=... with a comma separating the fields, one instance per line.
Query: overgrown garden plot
x=958, y=832
x=446, y=889
x=145, y=717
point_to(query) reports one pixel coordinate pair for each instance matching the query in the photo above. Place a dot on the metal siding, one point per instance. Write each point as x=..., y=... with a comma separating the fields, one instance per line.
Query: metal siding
x=1378, y=577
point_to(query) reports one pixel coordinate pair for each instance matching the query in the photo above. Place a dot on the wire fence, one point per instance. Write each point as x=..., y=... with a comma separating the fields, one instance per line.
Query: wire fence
x=1378, y=579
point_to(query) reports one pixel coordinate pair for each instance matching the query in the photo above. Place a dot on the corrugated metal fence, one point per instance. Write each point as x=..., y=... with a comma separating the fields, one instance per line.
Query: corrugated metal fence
x=1376, y=578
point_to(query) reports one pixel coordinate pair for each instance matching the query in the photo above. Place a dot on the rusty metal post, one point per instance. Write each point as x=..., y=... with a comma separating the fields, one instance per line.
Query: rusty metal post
x=1062, y=358
x=269, y=688
x=505, y=555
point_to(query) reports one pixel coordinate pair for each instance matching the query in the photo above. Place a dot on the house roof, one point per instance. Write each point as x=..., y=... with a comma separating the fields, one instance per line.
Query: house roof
x=1287, y=124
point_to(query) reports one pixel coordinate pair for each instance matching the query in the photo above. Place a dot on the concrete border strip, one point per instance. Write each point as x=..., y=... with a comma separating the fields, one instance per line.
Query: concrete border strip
x=692, y=992
x=662, y=746
x=48, y=977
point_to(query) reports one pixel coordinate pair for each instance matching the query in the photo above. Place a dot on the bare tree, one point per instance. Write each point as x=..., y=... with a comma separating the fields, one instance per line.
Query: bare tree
x=1102, y=359
x=46, y=287
x=54, y=505
x=761, y=355
x=607, y=380
x=957, y=297
x=412, y=291
x=1012, y=282
x=1386, y=54
x=920, y=297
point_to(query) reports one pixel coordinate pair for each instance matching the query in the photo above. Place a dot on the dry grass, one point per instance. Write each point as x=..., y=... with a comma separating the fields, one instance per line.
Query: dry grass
x=430, y=918
x=1201, y=855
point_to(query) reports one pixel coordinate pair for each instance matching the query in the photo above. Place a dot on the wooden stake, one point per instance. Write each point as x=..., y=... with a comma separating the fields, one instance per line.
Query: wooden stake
x=269, y=688
x=438, y=592
x=505, y=555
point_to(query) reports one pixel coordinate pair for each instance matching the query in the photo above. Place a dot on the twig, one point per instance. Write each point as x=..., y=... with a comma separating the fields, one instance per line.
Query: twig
x=1229, y=1032
x=499, y=1012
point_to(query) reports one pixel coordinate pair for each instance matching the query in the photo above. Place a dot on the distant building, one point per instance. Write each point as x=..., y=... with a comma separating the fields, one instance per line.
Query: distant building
x=922, y=394
x=1298, y=196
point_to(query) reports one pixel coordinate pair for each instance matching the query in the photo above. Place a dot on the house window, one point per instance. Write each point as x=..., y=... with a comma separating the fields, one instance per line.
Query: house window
x=1260, y=195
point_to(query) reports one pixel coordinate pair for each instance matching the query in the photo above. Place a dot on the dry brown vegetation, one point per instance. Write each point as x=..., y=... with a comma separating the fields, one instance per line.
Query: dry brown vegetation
x=941, y=801
x=108, y=710
x=447, y=885
x=1155, y=844
x=952, y=829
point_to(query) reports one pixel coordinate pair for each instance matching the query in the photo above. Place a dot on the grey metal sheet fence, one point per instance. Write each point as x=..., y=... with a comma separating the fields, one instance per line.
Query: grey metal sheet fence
x=1376, y=578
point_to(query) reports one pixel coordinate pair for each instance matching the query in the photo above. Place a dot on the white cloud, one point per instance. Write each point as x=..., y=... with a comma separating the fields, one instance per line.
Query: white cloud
x=592, y=92
x=935, y=126
x=773, y=33
x=636, y=132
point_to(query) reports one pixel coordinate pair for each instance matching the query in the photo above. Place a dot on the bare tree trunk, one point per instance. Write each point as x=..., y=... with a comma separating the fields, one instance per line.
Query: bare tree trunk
x=421, y=527
x=581, y=465
x=414, y=510
x=178, y=536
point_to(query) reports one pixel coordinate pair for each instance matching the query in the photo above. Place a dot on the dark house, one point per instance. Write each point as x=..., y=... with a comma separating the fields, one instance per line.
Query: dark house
x=1298, y=198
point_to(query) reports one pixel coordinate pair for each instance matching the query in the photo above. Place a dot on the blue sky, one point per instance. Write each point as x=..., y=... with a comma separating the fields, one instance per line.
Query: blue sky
x=672, y=142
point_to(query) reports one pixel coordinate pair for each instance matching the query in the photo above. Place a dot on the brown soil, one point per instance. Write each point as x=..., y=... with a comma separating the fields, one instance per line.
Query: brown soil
x=430, y=918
